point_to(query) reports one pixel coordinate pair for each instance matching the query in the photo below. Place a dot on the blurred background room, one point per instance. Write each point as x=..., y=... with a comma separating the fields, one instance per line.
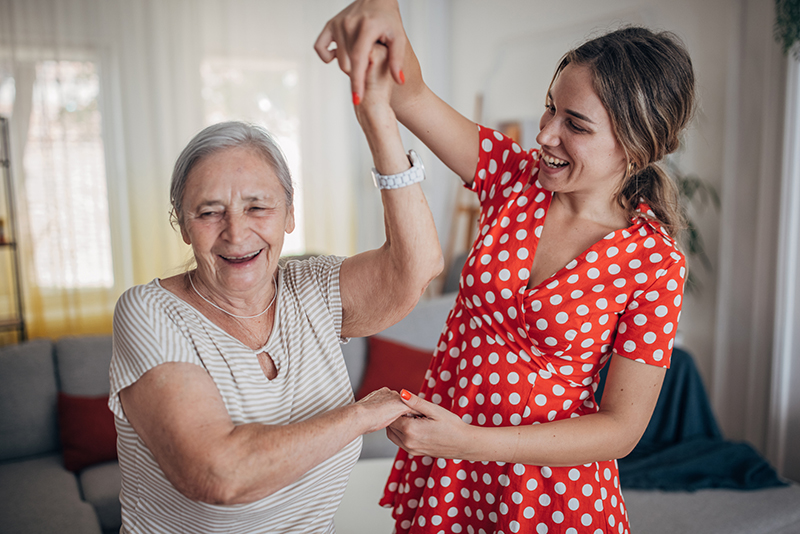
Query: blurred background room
x=101, y=95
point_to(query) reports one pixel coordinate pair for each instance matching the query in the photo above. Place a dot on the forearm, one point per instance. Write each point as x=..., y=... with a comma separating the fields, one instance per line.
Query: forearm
x=254, y=461
x=449, y=135
x=575, y=441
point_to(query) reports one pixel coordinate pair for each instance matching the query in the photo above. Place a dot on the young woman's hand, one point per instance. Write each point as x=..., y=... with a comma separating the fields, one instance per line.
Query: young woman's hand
x=355, y=30
x=435, y=432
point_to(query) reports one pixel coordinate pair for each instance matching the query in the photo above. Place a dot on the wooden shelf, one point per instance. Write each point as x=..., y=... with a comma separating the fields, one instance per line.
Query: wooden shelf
x=15, y=322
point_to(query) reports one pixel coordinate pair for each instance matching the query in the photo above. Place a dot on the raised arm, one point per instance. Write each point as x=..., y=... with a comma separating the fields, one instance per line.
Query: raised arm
x=450, y=135
x=381, y=286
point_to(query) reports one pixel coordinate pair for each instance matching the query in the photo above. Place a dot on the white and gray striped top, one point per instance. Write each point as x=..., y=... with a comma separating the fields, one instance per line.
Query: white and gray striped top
x=153, y=326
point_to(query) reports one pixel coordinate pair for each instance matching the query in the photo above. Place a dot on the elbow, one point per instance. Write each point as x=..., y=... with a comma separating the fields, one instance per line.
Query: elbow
x=434, y=268
x=215, y=484
x=207, y=488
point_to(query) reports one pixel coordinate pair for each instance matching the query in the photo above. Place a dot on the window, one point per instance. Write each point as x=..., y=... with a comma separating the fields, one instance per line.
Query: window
x=265, y=93
x=65, y=179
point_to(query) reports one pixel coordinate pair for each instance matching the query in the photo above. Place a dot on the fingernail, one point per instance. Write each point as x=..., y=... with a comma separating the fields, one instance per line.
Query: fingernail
x=402, y=77
x=405, y=394
x=356, y=99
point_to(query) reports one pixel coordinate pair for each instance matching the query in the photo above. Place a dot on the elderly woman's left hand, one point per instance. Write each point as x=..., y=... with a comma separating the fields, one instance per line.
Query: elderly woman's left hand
x=437, y=432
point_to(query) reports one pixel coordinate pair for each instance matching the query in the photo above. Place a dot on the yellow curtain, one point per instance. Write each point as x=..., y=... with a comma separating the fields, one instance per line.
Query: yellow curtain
x=103, y=94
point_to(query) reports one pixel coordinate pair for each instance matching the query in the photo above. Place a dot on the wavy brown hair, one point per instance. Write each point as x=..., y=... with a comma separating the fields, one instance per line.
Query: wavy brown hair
x=645, y=80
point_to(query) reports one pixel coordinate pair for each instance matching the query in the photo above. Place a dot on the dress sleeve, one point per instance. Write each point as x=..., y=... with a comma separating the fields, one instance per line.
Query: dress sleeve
x=646, y=329
x=502, y=164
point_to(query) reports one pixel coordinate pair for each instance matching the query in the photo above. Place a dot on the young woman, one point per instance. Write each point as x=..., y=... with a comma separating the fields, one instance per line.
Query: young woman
x=575, y=264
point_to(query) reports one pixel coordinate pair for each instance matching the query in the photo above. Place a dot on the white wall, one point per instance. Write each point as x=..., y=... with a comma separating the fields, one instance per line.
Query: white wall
x=508, y=50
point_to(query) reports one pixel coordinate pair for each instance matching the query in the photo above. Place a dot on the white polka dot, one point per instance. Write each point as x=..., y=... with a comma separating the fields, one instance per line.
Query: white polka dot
x=629, y=346
x=640, y=278
x=528, y=513
x=592, y=256
x=586, y=520
x=582, y=310
x=649, y=338
x=593, y=273
x=555, y=300
x=562, y=317
x=486, y=145
x=573, y=504
x=612, y=251
x=672, y=285
x=558, y=517
x=544, y=499
x=504, y=275
x=522, y=253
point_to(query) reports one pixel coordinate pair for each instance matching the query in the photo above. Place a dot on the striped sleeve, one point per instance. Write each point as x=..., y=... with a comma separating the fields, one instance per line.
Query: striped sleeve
x=324, y=271
x=144, y=336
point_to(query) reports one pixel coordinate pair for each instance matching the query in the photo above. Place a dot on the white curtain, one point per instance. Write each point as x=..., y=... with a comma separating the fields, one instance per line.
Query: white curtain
x=153, y=95
x=743, y=386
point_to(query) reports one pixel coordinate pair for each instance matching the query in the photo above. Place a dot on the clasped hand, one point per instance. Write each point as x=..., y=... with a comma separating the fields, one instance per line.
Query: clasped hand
x=430, y=431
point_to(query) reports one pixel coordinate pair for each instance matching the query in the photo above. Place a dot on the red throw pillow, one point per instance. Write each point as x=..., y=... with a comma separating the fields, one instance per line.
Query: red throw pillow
x=88, y=435
x=393, y=365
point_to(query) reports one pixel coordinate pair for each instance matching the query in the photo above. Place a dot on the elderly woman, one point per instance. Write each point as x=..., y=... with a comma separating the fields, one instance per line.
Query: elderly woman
x=231, y=398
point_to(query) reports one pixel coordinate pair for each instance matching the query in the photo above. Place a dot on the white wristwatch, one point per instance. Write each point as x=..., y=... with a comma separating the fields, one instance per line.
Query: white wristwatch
x=395, y=181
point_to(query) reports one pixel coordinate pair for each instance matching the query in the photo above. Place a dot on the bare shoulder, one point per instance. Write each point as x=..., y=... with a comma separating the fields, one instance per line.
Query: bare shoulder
x=175, y=284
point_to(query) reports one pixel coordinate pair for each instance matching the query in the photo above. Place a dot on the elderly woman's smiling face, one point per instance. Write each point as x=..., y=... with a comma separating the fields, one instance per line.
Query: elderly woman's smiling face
x=235, y=218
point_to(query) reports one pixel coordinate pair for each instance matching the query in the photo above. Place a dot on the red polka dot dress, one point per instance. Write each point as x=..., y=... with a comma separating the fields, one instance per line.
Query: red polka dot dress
x=515, y=356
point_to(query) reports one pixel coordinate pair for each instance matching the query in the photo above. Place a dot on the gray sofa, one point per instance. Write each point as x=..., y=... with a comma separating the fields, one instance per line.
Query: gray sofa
x=38, y=495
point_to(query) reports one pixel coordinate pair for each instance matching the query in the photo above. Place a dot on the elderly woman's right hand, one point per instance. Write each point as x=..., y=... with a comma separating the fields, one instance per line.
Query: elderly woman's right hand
x=383, y=407
x=378, y=85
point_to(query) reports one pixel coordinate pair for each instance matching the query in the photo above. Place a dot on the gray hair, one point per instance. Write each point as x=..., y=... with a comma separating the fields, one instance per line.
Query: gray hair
x=219, y=137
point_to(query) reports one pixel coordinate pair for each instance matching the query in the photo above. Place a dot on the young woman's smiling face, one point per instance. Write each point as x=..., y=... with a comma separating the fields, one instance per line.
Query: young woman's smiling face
x=580, y=153
x=235, y=220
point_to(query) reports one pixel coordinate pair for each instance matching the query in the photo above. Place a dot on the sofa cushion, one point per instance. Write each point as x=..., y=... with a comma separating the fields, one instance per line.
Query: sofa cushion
x=27, y=400
x=393, y=365
x=38, y=495
x=83, y=363
x=86, y=427
x=101, y=486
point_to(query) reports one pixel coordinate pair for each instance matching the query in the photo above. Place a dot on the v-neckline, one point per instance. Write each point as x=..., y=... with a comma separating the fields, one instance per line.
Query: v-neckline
x=576, y=260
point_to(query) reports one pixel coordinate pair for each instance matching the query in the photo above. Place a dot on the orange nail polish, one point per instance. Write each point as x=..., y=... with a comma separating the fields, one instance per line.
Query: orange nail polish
x=405, y=394
x=402, y=77
x=356, y=99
